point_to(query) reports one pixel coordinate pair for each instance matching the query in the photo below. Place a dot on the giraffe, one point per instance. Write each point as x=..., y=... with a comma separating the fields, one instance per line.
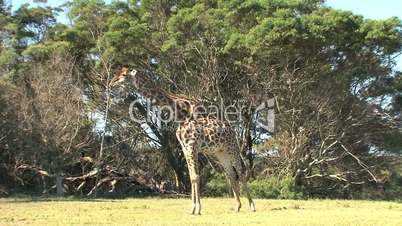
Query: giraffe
x=197, y=134
x=183, y=106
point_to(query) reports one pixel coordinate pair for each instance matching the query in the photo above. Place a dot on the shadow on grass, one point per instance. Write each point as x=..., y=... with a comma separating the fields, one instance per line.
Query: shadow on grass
x=24, y=198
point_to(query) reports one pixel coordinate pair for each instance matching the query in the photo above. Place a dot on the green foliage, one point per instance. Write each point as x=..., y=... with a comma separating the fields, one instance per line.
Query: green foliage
x=393, y=141
x=383, y=31
x=270, y=188
x=216, y=186
x=275, y=188
x=391, y=190
x=124, y=38
x=42, y=51
x=33, y=23
x=8, y=60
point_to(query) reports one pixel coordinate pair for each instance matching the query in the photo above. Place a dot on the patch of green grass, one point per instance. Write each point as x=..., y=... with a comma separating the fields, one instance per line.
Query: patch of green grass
x=216, y=211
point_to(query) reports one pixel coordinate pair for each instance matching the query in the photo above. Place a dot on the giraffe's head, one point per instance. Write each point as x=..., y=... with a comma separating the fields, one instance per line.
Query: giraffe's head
x=123, y=75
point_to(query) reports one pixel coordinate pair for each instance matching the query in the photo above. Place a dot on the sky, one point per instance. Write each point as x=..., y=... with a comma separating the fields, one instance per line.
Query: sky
x=373, y=9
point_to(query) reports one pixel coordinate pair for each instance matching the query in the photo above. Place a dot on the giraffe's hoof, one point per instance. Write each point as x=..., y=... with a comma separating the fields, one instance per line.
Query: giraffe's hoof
x=252, y=207
x=192, y=212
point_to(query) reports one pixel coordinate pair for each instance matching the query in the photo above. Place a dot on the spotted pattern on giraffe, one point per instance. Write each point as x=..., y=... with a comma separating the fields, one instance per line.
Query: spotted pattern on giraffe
x=196, y=135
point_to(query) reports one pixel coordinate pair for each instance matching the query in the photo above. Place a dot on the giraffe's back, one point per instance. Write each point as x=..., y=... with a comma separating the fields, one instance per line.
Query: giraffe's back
x=216, y=139
x=208, y=135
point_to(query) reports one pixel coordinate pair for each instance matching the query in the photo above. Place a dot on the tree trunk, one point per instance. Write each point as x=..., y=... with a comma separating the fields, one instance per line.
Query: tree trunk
x=247, y=146
x=59, y=185
x=178, y=171
x=165, y=138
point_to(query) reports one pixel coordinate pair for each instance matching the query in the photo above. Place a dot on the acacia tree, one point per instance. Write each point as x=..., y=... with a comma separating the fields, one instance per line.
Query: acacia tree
x=117, y=34
x=321, y=65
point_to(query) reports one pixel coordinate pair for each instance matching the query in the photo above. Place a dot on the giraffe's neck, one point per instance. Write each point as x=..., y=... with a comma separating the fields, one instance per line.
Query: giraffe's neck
x=182, y=107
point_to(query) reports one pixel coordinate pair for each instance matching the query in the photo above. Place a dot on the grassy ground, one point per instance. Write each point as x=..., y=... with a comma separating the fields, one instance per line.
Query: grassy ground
x=216, y=211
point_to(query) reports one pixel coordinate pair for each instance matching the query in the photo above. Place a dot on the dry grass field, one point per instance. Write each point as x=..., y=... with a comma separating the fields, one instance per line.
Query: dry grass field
x=216, y=211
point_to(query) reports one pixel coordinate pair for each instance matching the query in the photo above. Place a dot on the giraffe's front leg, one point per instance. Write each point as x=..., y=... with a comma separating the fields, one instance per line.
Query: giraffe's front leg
x=196, y=200
x=192, y=199
x=192, y=164
x=195, y=197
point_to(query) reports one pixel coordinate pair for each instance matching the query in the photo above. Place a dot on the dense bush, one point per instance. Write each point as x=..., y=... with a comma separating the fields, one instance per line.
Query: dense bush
x=273, y=188
x=391, y=190
x=217, y=185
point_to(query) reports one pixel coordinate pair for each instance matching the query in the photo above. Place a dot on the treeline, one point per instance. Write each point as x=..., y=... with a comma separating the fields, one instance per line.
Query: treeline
x=330, y=73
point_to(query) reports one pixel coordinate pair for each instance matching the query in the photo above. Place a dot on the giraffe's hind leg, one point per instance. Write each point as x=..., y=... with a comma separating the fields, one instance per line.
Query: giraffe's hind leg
x=225, y=160
x=241, y=170
x=247, y=191
x=234, y=183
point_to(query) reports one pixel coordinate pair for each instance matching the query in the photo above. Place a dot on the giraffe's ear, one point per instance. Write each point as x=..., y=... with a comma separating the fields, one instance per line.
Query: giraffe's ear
x=133, y=72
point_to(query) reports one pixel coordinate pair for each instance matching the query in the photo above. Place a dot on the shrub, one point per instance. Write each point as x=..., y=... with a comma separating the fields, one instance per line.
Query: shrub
x=216, y=186
x=272, y=188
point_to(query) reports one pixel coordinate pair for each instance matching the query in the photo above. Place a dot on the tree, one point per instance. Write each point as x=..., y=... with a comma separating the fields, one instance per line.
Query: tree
x=318, y=64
